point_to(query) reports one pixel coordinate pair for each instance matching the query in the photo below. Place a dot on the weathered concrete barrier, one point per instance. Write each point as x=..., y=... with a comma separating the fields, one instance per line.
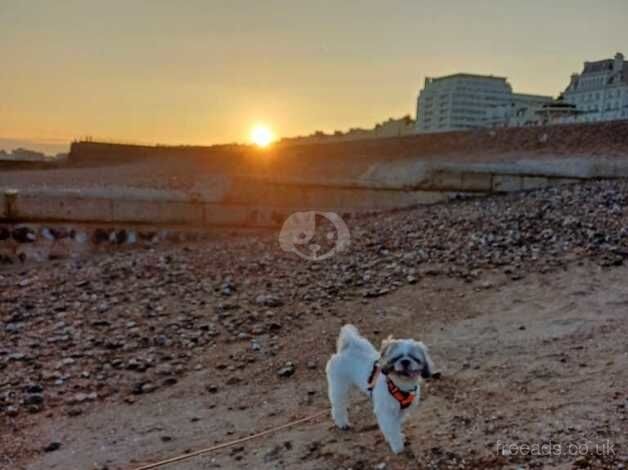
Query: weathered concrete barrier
x=172, y=210
x=266, y=202
x=490, y=177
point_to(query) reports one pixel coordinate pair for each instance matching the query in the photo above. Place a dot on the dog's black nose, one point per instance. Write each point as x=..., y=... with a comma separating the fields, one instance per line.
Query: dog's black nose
x=406, y=363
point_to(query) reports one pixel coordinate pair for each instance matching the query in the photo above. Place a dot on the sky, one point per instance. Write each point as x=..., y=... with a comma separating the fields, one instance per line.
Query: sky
x=205, y=71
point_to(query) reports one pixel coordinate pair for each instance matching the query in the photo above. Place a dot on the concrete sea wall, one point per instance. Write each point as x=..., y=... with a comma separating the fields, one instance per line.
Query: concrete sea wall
x=241, y=187
x=266, y=202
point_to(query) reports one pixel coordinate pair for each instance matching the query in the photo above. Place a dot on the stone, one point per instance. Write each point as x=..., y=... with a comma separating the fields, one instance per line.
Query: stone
x=286, y=371
x=268, y=300
x=33, y=399
x=74, y=411
x=34, y=388
x=51, y=447
x=24, y=235
x=80, y=237
x=149, y=387
x=100, y=236
x=47, y=234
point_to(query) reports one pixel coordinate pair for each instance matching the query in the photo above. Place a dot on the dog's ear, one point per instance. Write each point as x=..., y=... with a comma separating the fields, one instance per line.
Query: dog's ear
x=386, y=344
x=384, y=351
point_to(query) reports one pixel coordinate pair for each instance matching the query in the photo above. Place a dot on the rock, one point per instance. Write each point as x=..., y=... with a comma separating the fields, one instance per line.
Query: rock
x=286, y=371
x=273, y=454
x=74, y=411
x=54, y=445
x=81, y=398
x=149, y=387
x=47, y=234
x=100, y=236
x=143, y=387
x=80, y=237
x=120, y=236
x=268, y=300
x=34, y=399
x=24, y=235
x=33, y=388
x=131, y=237
x=58, y=233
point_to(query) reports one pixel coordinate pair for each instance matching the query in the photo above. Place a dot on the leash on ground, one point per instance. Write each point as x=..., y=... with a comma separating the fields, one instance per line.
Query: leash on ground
x=224, y=445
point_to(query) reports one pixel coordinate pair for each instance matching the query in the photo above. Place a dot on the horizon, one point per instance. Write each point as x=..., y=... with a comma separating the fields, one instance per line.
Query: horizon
x=298, y=67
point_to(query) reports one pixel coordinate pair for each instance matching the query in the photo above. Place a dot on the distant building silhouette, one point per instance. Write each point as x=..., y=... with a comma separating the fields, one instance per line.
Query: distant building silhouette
x=600, y=92
x=464, y=101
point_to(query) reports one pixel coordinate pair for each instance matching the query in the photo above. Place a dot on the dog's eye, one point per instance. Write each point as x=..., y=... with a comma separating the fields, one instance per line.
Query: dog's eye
x=415, y=359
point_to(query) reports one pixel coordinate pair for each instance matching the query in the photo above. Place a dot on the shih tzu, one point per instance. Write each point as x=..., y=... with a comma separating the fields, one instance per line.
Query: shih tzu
x=391, y=377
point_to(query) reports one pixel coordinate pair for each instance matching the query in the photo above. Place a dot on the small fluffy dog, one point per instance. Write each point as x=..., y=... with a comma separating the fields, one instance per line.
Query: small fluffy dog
x=391, y=377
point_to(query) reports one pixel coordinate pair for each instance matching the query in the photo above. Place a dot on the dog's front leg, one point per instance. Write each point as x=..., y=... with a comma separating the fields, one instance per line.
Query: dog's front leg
x=390, y=425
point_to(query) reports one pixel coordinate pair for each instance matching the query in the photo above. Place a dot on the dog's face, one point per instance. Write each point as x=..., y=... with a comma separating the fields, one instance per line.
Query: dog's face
x=406, y=359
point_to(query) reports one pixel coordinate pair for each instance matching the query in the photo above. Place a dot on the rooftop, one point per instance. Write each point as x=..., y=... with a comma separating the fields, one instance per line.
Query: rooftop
x=532, y=96
x=469, y=75
x=600, y=66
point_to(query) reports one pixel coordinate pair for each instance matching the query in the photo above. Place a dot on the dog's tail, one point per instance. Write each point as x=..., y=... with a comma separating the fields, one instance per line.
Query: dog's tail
x=349, y=335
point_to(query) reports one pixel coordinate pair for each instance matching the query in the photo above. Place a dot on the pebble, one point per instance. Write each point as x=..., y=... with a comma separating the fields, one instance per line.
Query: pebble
x=54, y=445
x=286, y=371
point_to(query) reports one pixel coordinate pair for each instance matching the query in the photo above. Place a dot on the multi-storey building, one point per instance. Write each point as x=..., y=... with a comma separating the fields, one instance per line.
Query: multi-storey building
x=459, y=102
x=600, y=92
x=522, y=110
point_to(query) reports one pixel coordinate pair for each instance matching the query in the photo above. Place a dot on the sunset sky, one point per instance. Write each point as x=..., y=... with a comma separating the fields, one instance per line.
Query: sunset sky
x=205, y=71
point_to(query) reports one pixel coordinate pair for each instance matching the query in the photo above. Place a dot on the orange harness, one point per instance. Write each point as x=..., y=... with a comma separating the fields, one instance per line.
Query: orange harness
x=404, y=398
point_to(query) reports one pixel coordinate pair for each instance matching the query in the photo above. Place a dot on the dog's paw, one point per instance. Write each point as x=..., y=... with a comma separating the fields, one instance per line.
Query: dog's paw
x=344, y=427
x=397, y=448
x=396, y=445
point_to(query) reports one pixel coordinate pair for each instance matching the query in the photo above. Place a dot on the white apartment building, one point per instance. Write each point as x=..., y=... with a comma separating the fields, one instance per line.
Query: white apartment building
x=522, y=110
x=459, y=102
x=600, y=92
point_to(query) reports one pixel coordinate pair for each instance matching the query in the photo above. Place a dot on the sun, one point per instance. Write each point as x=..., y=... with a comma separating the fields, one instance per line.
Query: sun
x=262, y=135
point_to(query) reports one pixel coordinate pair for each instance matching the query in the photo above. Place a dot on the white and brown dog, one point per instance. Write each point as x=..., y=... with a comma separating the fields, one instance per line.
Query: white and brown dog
x=392, y=377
